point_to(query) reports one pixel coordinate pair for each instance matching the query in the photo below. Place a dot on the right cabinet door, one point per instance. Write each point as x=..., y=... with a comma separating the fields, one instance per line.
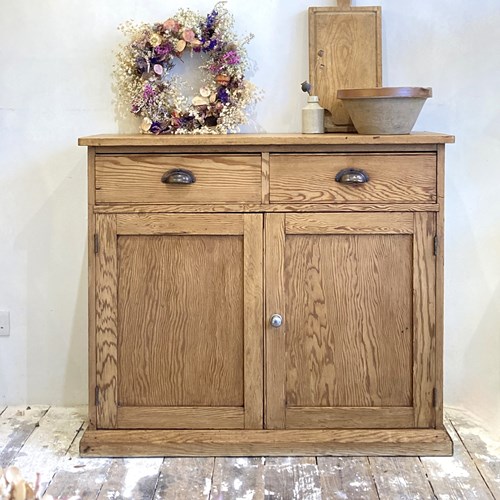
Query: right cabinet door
x=356, y=347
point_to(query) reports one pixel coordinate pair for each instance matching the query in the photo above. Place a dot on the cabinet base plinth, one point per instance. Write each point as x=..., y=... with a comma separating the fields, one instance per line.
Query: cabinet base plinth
x=336, y=442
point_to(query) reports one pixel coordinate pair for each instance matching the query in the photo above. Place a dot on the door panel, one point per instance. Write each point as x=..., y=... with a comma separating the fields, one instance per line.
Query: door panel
x=178, y=298
x=349, y=316
x=356, y=292
x=180, y=309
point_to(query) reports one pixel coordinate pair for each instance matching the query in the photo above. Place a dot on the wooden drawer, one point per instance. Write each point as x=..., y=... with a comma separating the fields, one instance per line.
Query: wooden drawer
x=138, y=179
x=393, y=178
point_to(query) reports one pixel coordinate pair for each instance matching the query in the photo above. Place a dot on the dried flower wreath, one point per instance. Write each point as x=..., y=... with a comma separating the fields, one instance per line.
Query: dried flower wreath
x=143, y=80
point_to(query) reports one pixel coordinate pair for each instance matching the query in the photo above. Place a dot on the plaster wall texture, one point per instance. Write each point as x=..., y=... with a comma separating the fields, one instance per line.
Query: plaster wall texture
x=55, y=85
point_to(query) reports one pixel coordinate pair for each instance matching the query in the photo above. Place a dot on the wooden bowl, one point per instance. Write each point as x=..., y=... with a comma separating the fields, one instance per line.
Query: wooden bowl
x=384, y=110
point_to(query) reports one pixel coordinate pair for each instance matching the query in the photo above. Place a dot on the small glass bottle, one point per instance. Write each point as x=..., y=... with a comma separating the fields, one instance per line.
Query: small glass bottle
x=313, y=116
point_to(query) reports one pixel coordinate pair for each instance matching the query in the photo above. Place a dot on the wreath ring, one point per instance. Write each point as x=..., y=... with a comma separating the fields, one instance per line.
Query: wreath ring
x=144, y=83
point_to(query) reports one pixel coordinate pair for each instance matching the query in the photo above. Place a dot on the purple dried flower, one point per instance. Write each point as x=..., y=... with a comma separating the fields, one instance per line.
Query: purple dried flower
x=163, y=50
x=148, y=91
x=214, y=68
x=231, y=57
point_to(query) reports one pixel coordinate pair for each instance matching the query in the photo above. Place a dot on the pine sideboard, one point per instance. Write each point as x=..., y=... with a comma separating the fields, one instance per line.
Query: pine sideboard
x=274, y=294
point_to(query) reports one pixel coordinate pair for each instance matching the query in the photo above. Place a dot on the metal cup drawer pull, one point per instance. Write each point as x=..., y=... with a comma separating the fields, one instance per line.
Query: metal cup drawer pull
x=178, y=176
x=352, y=176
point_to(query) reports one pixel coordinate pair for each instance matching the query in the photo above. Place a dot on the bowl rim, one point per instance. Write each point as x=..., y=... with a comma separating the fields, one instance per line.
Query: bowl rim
x=385, y=92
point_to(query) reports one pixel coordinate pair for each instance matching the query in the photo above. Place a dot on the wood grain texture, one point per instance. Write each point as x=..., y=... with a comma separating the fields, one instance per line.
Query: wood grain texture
x=349, y=320
x=346, y=442
x=134, y=178
x=253, y=300
x=320, y=147
x=106, y=280
x=275, y=367
x=275, y=207
x=144, y=224
x=392, y=178
x=265, y=178
x=344, y=52
x=184, y=417
x=439, y=347
x=230, y=140
x=351, y=223
x=424, y=319
x=392, y=417
x=91, y=286
x=346, y=478
x=181, y=320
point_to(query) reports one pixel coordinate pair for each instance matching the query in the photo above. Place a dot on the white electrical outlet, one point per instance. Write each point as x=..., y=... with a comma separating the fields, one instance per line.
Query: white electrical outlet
x=4, y=323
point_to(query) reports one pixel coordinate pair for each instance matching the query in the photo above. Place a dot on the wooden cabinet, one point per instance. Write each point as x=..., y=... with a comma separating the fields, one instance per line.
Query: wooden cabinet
x=282, y=294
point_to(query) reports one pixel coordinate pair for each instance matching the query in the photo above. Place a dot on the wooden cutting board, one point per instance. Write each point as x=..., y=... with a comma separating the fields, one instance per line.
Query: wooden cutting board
x=345, y=52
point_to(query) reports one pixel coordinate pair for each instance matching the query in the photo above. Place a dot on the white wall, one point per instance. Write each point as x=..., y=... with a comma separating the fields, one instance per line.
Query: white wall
x=55, y=85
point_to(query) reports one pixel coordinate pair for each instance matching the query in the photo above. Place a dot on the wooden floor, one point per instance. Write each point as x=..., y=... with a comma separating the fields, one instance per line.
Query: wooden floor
x=45, y=440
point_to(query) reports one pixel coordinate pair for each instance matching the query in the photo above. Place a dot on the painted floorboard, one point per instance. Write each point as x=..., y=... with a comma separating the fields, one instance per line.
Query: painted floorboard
x=46, y=447
x=291, y=478
x=134, y=478
x=345, y=478
x=238, y=478
x=484, y=451
x=402, y=478
x=79, y=476
x=456, y=477
x=189, y=478
x=17, y=423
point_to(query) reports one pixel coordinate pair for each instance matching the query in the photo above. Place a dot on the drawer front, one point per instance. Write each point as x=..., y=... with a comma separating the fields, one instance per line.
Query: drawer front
x=138, y=179
x=392, y=178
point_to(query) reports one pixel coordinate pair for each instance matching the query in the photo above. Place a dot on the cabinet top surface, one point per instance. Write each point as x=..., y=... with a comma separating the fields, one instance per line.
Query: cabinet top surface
x=262, y=139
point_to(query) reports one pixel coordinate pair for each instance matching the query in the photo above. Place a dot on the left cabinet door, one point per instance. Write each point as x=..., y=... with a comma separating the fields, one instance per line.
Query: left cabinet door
x=179, y=329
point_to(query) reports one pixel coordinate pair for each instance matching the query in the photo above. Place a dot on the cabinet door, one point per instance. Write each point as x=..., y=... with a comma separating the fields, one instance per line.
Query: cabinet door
x=179, y=321
x=357, y=295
